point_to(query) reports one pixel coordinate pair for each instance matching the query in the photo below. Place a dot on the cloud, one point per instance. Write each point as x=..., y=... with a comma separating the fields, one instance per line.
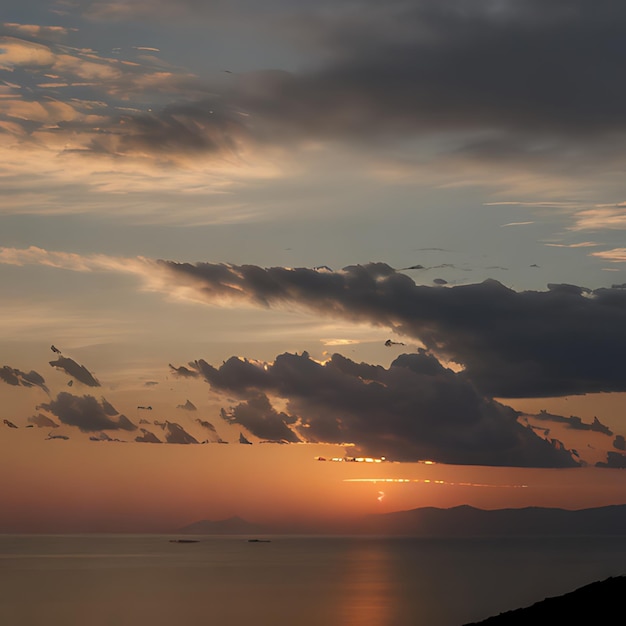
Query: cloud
x=601, y=217
x=86, y=413
x=70, y=261
x=102, y=437
x=16, y=377
x=35, y=30
x=491, y=76
x=188, y=406
x=64, y=99
x=147, y=437
x=204, y=127
x=614, y=460
x=566, y=340
x=79, y=372
x=259, y=417
x=175, y=433
x=442, y=83
x=183, y=372
x=183, y=10
x=575, y=422
x=414, y=410
x=424, y=66
x=42, y=421
x=582, y=244
x=213, y=437
x=617, y=255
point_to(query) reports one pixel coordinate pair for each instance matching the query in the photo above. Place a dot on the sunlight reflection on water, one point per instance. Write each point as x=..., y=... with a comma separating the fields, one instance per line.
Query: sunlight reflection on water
x=290, y=581
x=366, y=583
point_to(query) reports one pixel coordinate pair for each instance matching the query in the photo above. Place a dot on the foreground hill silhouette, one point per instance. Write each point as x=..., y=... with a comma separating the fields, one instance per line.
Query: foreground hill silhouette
x=598, y=603
x=460, y=521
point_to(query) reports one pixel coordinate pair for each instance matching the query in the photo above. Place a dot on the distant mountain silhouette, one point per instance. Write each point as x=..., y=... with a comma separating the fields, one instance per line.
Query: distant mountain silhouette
x=460, y=521
x=598, y=603
x=464, y=521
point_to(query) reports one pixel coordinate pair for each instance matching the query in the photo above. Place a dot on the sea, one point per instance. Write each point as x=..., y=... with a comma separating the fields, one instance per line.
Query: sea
x=150, y=580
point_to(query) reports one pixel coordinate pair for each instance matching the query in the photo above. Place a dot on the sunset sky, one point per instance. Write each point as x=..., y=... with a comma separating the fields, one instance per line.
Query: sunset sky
x=337, y=229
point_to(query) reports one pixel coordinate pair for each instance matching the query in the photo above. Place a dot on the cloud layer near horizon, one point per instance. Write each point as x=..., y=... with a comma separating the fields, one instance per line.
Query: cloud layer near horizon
x=414, y=410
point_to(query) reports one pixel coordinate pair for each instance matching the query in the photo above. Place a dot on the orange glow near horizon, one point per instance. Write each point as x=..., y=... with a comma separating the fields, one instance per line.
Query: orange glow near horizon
x=82, y=486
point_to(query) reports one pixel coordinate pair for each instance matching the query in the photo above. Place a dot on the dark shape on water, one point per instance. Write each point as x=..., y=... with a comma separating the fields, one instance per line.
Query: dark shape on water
x=598, y=603
x=259, y=540
x=184, y=541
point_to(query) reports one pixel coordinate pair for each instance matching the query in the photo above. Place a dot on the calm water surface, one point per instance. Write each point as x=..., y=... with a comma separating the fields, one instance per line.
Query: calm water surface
x=136, y=580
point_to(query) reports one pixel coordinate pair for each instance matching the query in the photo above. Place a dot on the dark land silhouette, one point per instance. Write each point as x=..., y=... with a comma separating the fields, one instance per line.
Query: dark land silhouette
x=460, y=521
x=598, y=603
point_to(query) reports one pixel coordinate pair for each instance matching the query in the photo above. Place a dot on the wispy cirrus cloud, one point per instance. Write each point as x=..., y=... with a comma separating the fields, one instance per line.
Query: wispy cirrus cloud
x=580, y=244
x=601, y=217
x=70, y=261
x=616, y=255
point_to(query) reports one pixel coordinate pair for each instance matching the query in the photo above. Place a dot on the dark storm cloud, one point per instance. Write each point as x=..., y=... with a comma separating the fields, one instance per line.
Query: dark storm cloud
x=76, y=371
x=16, y=377
x=86, y=413
x=619, y=442
x=511, y=344
x=262, y=420
x=188, y=406
x=416, y=409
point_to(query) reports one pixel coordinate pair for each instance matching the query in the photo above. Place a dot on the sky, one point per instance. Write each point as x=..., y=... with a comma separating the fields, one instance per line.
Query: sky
x=242, y=244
